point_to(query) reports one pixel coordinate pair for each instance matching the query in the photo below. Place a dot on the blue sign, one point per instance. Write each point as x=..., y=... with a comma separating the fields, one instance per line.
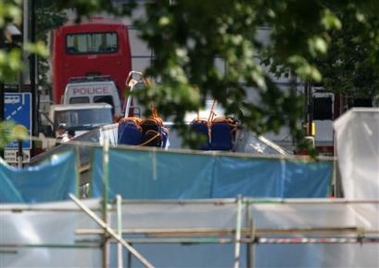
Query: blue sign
x=18, y=108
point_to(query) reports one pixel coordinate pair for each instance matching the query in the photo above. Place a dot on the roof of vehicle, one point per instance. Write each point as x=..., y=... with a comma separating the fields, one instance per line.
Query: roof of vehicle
x=80, y=106
x=96, y=20
x=90, y=79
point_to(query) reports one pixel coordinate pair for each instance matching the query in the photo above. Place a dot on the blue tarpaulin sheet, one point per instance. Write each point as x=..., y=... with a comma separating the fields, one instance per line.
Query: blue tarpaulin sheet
x=159, y=174
x=53, y=180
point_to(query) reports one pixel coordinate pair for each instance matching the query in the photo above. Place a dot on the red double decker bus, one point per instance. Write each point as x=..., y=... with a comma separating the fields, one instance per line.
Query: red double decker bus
x=95, y=47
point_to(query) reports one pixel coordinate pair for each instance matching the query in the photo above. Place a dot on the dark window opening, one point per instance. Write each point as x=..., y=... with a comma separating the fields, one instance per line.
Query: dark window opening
x=90, y=43
x=322, y=108
x=79, y=100
x=106, y=99
x=360, y=102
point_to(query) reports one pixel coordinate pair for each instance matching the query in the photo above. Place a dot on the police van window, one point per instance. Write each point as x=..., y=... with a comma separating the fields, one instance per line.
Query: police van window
x=89, y=43
x=107, y=99
x=79, y=100
x=67, y=118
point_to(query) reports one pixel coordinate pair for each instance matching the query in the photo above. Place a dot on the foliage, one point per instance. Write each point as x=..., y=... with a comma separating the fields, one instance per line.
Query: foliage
x=48, y=17
x=187, y=36
x=308, y=40
x=9, y=131
x=11, y=59
x=10, y=62
x=351, y=66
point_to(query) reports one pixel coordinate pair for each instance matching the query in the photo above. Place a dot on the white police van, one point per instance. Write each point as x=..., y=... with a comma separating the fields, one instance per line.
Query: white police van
x=95, y=89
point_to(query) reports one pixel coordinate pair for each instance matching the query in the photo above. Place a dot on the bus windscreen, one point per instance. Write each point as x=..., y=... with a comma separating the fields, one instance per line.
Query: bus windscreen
x=89, y=43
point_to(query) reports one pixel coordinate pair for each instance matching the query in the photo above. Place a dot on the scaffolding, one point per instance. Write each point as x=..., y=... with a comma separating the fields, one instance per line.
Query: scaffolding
x=124, y=229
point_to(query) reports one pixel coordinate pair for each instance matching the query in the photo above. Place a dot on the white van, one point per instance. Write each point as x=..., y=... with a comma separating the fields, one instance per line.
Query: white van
x=93, y=90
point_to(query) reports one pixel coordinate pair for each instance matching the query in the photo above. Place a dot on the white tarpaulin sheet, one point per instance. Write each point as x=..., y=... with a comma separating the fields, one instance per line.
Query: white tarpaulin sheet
x=58, y=234
x=357, y=140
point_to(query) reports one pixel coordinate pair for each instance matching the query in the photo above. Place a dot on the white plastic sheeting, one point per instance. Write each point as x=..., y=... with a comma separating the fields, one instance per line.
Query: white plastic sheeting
x=43, y=235
x=357, y=140
x=61, y=235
